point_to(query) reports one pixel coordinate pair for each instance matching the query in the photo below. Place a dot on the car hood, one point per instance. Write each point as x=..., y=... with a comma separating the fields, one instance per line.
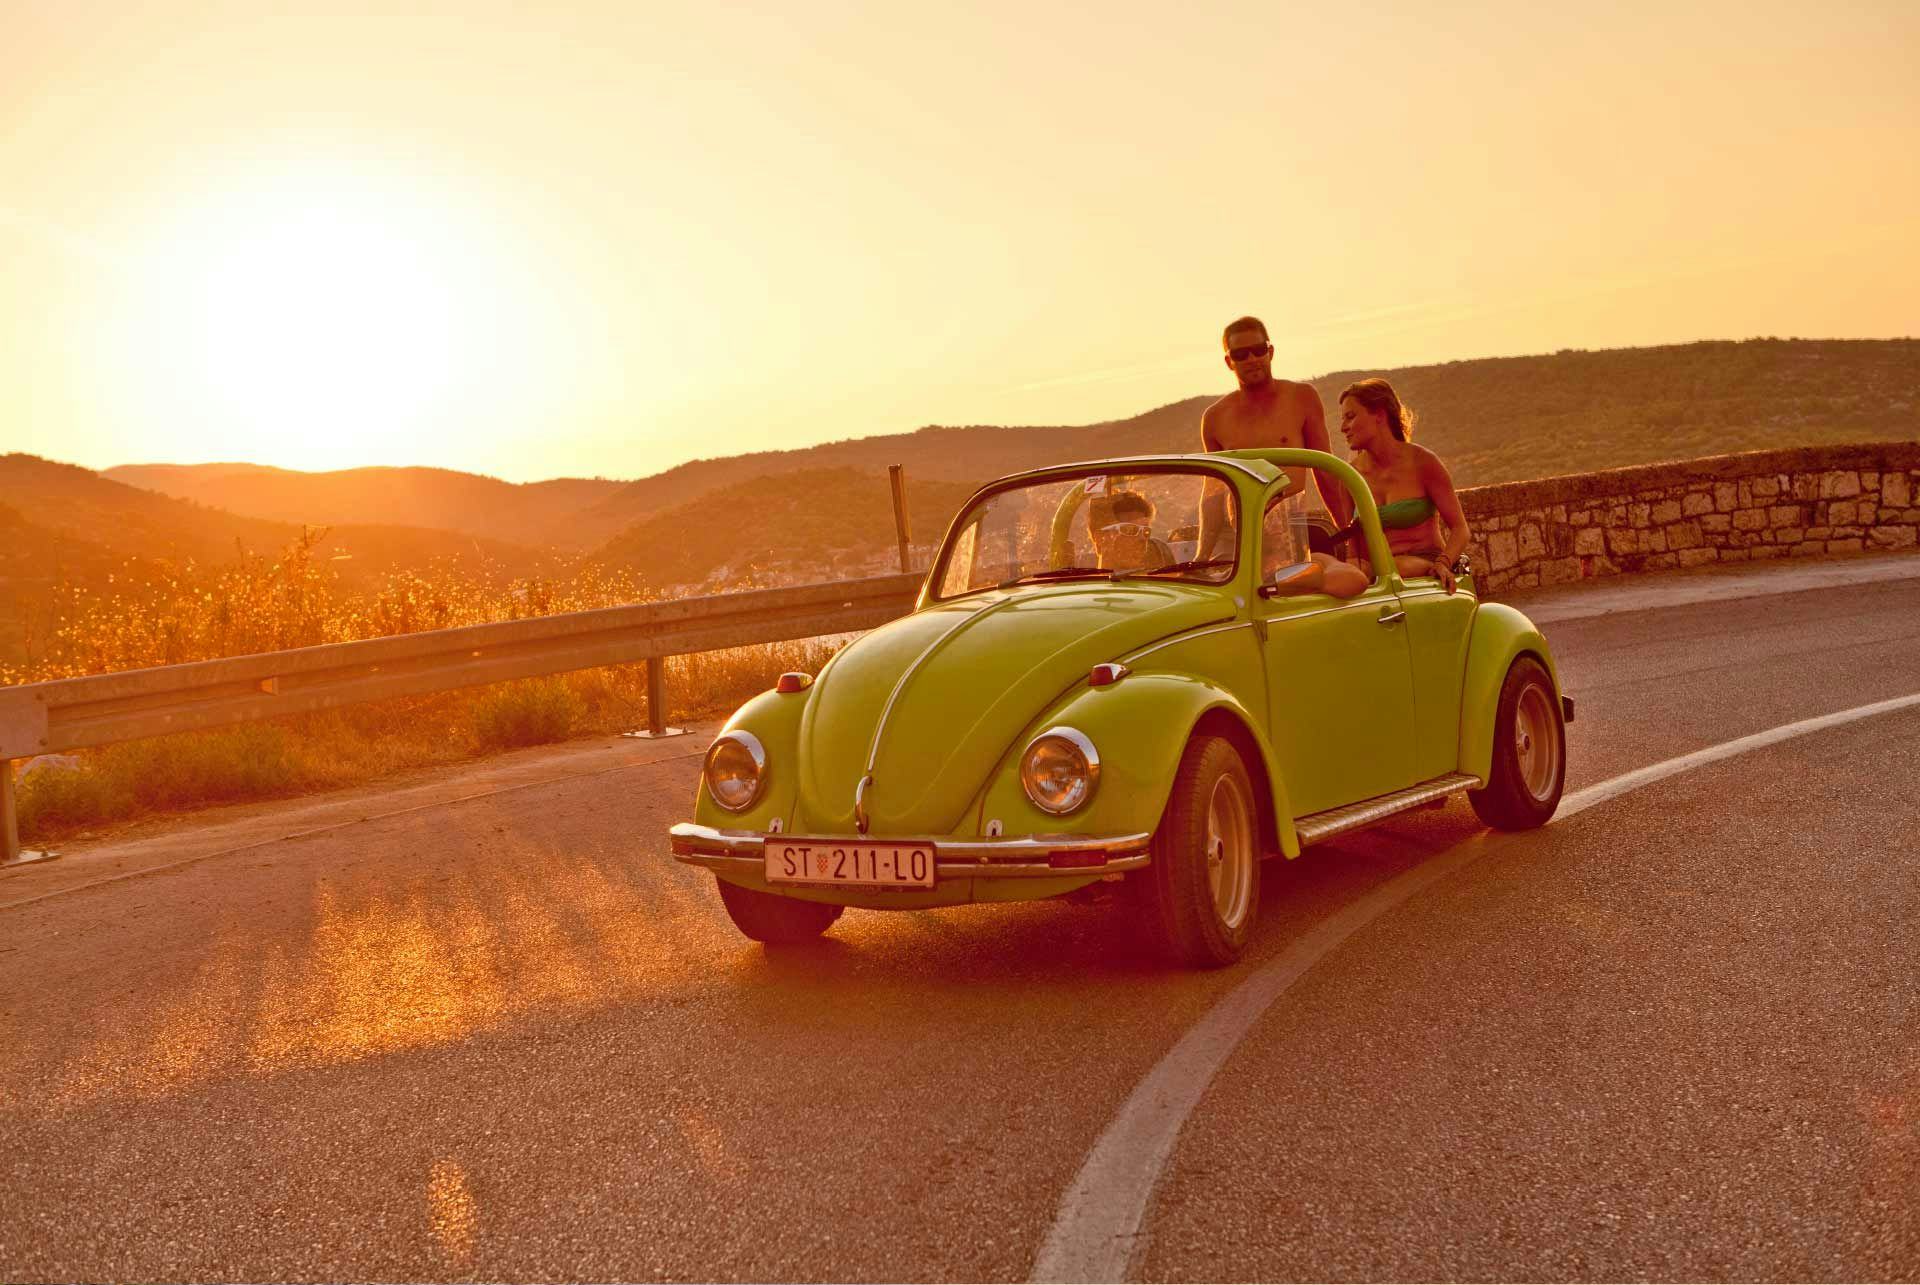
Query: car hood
x=970, y=674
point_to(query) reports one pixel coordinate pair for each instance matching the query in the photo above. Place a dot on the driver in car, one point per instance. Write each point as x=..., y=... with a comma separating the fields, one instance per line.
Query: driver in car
x=1122, y=531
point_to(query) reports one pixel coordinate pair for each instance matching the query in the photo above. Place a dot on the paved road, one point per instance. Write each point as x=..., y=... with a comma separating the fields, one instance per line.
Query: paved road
x=503, y=1037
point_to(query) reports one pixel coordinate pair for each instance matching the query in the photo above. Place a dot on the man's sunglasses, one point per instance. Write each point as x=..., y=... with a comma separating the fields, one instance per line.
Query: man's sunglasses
x=1126, y=529
x=1248, y=354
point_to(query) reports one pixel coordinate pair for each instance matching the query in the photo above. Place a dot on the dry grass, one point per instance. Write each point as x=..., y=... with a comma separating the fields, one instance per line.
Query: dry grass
x=257, y=605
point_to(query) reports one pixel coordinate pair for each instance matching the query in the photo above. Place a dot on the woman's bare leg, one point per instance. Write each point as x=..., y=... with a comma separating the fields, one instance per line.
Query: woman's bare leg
x=1343, y=579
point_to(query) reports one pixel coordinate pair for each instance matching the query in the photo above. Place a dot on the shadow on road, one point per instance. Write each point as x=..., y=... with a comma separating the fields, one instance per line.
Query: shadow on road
x=195, y=979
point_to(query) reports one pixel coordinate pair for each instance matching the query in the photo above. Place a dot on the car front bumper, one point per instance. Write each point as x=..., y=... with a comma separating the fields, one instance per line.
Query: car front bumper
x=1030, y=856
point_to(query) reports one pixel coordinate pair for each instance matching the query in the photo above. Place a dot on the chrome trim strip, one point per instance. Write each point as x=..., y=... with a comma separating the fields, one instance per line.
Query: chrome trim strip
x=1350, y=604
x=860, y=821
x=1324, y=825
x=1437, y=592
x=886, y=711
x=694, y=832
x=1191, y=634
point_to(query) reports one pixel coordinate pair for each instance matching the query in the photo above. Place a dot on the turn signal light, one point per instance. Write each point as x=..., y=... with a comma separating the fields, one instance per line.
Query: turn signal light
x=1107, y=674
x=793, y=681
x=1077, y=859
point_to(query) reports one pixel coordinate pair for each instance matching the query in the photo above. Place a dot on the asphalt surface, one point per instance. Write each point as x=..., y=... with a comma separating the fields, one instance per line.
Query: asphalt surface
x=499, y=1035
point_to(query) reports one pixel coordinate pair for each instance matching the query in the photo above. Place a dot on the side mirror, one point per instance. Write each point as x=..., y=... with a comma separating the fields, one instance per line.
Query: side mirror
x=1298, y=577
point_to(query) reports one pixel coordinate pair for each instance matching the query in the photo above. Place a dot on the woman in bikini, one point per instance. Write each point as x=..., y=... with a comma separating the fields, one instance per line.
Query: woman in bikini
x=1410, y=485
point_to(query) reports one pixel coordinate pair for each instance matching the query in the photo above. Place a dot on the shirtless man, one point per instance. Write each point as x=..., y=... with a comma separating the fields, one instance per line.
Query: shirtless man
x=1262, y=412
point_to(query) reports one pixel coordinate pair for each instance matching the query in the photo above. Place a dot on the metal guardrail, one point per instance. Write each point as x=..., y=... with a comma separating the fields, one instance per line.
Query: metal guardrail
x=75, y=713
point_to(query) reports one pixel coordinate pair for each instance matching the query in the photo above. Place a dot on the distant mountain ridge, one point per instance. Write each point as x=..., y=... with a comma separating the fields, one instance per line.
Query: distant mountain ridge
x=529, y=513
x=813, y=524
x=1492, y=419
x=60, y=522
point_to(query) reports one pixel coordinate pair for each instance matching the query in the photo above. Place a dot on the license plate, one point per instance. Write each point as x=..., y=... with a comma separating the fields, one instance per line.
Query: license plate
x=836, y=861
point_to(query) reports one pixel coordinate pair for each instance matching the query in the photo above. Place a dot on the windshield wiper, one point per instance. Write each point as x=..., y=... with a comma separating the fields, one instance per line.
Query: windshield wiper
x=1059, y=573
x=1191, y=564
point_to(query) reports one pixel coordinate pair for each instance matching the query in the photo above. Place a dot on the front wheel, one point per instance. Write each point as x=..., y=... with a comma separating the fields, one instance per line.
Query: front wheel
x=1200, y=895
x=773, y=919
x=1529, y=752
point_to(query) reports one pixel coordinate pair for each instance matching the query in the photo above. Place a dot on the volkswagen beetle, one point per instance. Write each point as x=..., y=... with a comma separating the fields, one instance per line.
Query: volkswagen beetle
x=1111, y=673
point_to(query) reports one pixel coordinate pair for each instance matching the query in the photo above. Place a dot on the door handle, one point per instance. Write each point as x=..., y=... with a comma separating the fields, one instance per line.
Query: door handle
x=1392, y=617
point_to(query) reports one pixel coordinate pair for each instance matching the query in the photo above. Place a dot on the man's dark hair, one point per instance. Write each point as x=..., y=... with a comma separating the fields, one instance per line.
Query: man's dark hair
x=1245, y=323
x=1132, y=502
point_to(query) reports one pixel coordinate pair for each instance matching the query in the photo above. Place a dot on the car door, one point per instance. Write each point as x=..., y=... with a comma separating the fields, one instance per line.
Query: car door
x=1339, y=685
x=1439, y=628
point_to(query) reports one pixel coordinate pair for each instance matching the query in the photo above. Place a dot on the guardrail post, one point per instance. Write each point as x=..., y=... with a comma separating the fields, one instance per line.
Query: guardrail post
x=656, y=695
x=10, y=850
x=896, y=474
x=657, y=703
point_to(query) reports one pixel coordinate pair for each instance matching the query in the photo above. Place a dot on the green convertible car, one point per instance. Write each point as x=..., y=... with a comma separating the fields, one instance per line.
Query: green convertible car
x=1111, y=673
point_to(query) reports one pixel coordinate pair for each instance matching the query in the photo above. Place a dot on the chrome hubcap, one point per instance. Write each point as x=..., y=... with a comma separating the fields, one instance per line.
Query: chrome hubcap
x=1229, y=850
x=1536, y=747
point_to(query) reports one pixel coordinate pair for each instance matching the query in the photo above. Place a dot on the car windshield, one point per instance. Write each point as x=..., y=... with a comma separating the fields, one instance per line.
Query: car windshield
x=1095, y=525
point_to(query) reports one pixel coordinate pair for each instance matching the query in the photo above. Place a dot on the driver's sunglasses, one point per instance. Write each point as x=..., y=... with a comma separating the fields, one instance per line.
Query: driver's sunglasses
x=1126, y=529
x=1248, y=354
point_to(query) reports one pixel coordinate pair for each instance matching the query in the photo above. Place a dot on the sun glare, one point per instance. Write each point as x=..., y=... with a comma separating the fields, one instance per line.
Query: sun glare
x=324, y=320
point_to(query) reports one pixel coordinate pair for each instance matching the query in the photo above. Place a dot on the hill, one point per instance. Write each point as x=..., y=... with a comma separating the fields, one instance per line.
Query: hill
x=970, y=454
x=1514, y=418
x=1494, y=420
x=534, y=513
x=1498, y=419
x=63, y=524
x=814, y=524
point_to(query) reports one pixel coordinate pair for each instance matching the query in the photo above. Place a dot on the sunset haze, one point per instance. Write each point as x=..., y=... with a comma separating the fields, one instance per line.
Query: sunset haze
x=605, y=239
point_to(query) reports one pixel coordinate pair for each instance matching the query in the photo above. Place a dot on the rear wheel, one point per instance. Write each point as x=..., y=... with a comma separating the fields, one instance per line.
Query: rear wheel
x=1529, y=752
x=1200, y=895
x=773, y=919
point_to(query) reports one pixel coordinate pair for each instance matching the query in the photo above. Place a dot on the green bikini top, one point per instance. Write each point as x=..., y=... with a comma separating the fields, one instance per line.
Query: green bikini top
x=1405, y=513
x=1397, y=516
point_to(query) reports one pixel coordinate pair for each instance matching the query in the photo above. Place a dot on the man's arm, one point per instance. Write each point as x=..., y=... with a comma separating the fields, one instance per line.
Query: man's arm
x=1213, y=496
x=1313, y=435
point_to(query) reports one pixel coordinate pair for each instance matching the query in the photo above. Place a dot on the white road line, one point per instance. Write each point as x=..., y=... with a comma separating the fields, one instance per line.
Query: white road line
x=1097, y=1230
x=1727, y=749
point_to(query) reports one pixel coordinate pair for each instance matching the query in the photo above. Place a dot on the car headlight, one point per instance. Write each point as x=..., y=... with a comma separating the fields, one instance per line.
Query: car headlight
x=1060, y=770
x=736, y=767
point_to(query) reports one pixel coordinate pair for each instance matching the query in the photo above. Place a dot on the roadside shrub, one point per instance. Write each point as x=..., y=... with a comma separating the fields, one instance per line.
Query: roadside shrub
x=253, y=760
x=715, y=682
x=192, y=769
x=262, y=604
x=533, y=711
x=68, y=799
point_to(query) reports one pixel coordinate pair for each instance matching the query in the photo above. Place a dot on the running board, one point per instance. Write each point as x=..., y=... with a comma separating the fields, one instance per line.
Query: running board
x=1324, y=825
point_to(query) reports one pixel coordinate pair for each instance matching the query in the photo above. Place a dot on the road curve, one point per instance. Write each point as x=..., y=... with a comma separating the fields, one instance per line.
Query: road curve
x=502, y=1036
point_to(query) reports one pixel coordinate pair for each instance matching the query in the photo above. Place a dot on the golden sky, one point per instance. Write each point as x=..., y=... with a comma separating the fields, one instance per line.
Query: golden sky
x=566, y=239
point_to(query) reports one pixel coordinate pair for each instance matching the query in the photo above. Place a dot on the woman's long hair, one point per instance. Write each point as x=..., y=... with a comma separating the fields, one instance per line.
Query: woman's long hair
x=1377, y=394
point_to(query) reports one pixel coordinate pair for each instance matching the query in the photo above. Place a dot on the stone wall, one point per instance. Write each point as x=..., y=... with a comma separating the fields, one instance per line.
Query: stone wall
x=1724, y=508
